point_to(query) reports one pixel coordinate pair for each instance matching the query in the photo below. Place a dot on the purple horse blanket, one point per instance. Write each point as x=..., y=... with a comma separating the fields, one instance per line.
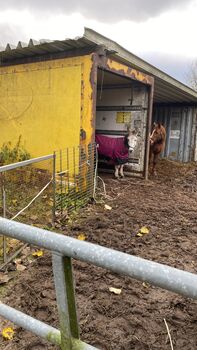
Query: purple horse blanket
x=113, y=149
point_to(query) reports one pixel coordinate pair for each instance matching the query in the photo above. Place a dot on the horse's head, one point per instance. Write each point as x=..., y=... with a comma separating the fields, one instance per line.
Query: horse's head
x=158, y=134
x=131, y=140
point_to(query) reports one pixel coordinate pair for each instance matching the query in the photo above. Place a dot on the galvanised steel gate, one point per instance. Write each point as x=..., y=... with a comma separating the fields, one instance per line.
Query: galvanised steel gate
x=63, y=249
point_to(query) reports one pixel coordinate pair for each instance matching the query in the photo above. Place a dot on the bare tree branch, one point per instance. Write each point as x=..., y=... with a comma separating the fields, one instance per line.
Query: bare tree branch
x=192, y=75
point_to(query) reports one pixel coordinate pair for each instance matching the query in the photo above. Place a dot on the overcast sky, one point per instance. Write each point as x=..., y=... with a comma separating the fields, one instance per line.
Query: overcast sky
x=161, y=31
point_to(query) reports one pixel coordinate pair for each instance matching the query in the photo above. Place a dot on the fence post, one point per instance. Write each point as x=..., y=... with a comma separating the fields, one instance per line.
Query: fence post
x=61, y=182
x=74, y=176
x=62, y=270
x=54, y=189
x=4, y=215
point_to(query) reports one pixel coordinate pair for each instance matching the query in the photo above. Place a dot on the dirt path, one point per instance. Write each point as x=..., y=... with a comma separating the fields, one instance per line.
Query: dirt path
x=134, y=319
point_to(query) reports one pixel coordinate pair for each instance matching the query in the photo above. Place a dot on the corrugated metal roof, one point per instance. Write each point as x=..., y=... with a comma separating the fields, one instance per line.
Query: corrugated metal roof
x=42, y=47
x=167, y=89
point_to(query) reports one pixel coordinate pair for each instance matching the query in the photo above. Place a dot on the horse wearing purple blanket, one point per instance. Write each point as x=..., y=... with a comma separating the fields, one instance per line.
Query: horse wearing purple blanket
x=116, y=150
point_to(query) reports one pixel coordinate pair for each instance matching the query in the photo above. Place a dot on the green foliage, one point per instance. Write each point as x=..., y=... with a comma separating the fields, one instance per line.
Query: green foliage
x=70, y=202
x=9, y=154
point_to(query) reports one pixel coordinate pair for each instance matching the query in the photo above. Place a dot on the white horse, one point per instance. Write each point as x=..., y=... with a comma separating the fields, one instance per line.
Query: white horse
x=117, y=149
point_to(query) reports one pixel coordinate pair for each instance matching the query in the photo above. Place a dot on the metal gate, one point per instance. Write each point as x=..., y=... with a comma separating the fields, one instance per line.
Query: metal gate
x=26, y=196
x=55, y=185
x=63, y=249
x=75, y=172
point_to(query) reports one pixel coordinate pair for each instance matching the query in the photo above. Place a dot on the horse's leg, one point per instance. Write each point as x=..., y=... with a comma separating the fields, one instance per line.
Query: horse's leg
x=150, y=157
x=155, y=159
x=121, y=170
x=116, y=171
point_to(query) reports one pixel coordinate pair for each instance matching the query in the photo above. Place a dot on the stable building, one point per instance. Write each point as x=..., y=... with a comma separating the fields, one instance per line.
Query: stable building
x=57, y=94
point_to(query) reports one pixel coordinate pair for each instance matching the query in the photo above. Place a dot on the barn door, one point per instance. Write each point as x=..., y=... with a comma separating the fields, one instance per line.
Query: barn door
x=175, y=130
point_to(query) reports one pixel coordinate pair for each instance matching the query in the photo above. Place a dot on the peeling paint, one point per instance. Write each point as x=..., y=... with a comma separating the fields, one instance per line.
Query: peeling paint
x=128, y=72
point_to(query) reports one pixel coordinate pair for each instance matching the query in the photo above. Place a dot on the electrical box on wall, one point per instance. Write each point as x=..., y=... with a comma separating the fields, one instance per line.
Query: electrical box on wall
x=123, y=117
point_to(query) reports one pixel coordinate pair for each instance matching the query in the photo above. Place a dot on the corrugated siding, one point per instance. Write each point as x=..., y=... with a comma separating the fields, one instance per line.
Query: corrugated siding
x=181, y=131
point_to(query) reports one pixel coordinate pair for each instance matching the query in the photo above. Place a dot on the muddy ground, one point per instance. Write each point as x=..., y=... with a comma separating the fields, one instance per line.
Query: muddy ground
x=167, y=206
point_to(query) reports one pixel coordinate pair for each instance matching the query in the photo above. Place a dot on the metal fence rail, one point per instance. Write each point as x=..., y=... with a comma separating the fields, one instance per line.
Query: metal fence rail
x=25, y=186
x=25, y=163
x=74, y=178
x=64, y=248
x=39, y=328
x=46, y=190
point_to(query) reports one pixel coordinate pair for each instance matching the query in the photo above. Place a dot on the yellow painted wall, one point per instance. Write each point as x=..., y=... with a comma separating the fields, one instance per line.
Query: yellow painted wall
x=46, y=103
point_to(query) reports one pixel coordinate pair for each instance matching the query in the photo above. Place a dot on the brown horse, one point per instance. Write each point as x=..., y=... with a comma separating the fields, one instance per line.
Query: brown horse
x=157, y=144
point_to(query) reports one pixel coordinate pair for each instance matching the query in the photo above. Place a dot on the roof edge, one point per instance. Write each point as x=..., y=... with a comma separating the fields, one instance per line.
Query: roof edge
x=123, y=53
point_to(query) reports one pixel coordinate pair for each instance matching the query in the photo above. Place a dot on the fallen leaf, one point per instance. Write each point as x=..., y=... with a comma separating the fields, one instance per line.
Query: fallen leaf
x=33, y=217
x=4, y=278
x=17, y=261
x=139, y=234
x=20, y=267
x=144, y=230
x=146, y=285
x=107, y=207
x=8, y=333
x=115, y=290
x=14, y=201
x=38, y=253
x=81, y=237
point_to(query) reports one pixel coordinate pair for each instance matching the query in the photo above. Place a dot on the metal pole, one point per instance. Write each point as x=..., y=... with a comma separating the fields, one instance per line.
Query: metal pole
x=61, y=183
x=4, y=215
x=69, y=280
x=74, y=174
x=31, y=324
x=39, y=328
x=62, y=271
x=149, y=120
x=54, y=190
x=24, y=163
x=80, y=168
x=68, y=170
x=166, y=277
x=93, y=169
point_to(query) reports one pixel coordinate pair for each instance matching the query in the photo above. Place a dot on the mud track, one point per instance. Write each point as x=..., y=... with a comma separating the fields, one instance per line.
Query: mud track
x=167, y=205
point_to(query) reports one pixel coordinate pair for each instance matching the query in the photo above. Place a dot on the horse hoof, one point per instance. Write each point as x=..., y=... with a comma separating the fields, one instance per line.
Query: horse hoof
x=154, y=173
